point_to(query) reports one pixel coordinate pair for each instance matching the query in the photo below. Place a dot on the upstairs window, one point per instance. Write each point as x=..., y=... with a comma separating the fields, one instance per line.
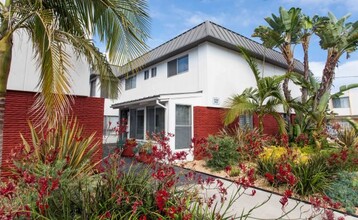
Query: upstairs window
x=130, y=82
x=146, y=74
x=178, y=66
x=154, y=72
x=93, y=88
x=342, y=102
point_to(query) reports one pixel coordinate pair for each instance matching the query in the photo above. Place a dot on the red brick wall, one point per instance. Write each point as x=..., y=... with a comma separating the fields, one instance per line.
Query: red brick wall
x=207, y=121
x=270, y=124
x=89, y=112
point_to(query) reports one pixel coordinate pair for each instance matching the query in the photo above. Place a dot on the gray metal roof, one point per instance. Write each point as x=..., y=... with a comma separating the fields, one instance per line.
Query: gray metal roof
x=209, y=31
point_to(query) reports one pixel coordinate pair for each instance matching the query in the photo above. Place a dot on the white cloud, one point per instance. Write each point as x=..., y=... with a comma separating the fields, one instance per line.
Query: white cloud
x=198, y=17
x=351, y=5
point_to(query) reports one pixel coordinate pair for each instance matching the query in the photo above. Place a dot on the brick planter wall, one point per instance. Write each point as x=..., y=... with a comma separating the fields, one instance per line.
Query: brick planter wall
x=89, y=112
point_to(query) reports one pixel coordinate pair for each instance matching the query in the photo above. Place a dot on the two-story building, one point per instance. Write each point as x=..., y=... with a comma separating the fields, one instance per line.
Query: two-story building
x=184, y=84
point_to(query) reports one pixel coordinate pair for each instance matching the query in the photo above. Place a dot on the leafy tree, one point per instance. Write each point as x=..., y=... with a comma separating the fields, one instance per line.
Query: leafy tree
x=53, y=27
x=262, y=100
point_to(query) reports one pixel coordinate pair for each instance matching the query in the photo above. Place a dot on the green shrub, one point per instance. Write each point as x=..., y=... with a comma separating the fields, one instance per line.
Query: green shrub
x=345, y=190
x=223, y=152
x=313, y=176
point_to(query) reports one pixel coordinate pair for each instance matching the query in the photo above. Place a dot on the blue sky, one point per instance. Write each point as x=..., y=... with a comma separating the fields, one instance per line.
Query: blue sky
x=170, y=18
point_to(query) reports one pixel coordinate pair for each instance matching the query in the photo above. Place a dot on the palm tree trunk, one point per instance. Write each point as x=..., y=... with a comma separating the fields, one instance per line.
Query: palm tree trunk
x=261, y=124
x=327, y=77
x=5, y=62
x=305, y=45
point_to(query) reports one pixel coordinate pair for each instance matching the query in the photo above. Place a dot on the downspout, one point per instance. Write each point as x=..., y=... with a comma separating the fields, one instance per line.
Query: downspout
x=160, y=104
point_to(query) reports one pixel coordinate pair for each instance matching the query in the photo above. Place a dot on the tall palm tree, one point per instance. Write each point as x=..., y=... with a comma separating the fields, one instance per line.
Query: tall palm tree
x=52, y=26
x=283, y=32
x=261, y=100
x=337, y=37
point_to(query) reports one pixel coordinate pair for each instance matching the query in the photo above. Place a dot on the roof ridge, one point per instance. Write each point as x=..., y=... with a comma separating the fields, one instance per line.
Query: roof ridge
x=202, y=23
x=260, y=44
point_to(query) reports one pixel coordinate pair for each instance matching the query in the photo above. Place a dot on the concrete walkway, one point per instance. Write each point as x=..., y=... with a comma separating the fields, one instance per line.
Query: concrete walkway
x=272, y=208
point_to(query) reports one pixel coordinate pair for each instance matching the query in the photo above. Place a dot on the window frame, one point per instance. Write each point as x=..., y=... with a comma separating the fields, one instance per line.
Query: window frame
x=155, y=72
x=189, y=126
x=146, y=74
x=174, y=64
x=340, y=102
x=130, y=85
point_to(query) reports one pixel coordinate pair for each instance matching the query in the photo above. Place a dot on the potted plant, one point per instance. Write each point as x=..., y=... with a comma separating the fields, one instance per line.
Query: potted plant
x=128, y=148
x=145, y=152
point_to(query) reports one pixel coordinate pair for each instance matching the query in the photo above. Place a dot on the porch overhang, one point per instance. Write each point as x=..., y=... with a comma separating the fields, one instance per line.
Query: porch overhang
x=153, y=100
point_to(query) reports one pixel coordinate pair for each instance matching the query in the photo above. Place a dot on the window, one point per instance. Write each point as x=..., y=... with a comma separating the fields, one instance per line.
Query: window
x=109, y=123
x=182, y=126
x=136, y=124
x=246, y=121
x=154, y=72
x=154, y=121
x=342, y=102
x=146, y=74
x=130, y=83
x=93, y=88
x=178, y=66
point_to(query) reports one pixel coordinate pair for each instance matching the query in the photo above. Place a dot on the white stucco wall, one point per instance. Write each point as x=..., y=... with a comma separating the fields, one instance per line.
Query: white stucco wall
x=24, y=73
x=229, y=74
x=353, y=104
x=162, y=84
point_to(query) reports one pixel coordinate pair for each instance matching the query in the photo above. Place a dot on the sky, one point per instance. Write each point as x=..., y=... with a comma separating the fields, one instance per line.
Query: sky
x=170, y=18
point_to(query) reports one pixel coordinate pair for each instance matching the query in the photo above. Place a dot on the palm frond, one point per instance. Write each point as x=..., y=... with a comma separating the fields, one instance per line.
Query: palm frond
x=238, y=105
x=53, y=62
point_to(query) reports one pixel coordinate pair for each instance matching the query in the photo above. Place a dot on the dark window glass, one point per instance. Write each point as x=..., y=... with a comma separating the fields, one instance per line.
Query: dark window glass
x=159, y=120
x=342, y=102
x=133, y=123
x=146, y=74
x=93, y=88
x=130, y=83
x=140, y=125
x=172, y=68
x=154, y=72
x=150, y=120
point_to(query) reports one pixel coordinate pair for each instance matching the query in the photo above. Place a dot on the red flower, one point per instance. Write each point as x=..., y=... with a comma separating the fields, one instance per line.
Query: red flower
x=288, y=193
x=284, y=201
x=8, y=190
x=55, y=184
x=253, y=192
x=228, y=169
x=270, y=177
x=161, y=198
x=143, y=217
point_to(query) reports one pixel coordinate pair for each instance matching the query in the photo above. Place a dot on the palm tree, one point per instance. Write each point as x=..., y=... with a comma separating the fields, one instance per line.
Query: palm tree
x=53, y=26
x=262, y=100
x=337, y=37
x=283, y=32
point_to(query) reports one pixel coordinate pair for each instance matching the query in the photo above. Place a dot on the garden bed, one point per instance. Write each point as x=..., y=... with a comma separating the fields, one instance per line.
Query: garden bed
x=260, y=183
